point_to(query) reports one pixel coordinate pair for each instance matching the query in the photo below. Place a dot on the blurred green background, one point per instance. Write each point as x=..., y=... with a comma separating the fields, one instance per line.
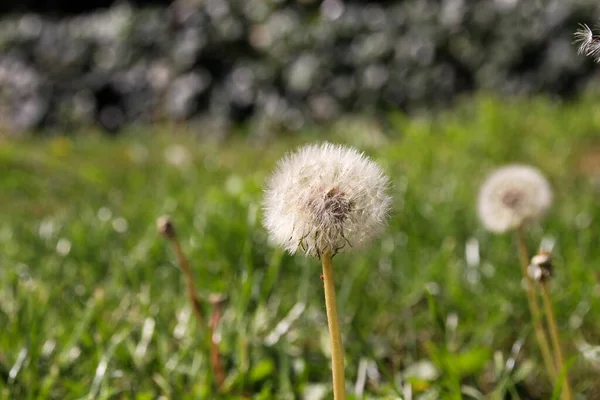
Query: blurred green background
x=92, y=304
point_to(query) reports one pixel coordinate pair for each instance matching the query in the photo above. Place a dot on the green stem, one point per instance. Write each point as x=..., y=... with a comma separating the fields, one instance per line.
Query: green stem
x=337, y=351
x=566, y=389
x=534, y=306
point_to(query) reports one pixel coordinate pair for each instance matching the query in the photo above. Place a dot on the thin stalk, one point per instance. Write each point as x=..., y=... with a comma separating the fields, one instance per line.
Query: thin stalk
x=534, y=306
x=215, y=354
x=337, y=351
x=166, y=228
x=189, y=279
x=566, y=389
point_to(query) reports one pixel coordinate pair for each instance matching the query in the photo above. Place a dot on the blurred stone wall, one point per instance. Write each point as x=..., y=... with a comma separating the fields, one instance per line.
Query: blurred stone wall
x=278, y=62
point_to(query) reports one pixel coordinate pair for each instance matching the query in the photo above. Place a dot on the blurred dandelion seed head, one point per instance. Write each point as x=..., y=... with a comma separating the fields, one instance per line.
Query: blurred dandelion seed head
x=325, y=198
x=511, y=196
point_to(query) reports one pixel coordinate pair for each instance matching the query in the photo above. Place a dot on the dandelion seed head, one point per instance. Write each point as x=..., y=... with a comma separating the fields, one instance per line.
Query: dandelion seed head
x=325, y=197
x=584, y=36
x=589, y=44
x=511, y=196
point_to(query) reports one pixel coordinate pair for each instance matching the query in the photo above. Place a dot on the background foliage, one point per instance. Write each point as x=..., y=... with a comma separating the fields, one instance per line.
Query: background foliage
x=277, y=64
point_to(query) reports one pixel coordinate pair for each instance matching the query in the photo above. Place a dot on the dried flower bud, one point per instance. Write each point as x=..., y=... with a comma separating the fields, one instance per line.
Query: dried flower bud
x=540, y=269
x=165, y=227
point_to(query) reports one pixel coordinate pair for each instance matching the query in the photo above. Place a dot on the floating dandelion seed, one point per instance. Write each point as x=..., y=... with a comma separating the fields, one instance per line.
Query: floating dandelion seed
x=325, y=198
x=511, y=196
x=589, y=44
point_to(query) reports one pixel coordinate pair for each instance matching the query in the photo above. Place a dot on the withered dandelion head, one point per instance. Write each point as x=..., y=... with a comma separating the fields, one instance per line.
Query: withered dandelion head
x=540, y=268
x=511, y=196
x=325, y=198
x=165, y=227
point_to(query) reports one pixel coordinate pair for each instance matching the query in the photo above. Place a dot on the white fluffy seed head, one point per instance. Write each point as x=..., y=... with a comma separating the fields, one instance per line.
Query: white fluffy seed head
x=325, y=198
x=513, y=195
x=589, y=44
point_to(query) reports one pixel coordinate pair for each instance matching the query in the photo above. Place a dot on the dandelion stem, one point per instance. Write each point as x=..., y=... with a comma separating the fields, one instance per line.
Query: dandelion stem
x=337, y=351
x=534, y=306
x=566, y=389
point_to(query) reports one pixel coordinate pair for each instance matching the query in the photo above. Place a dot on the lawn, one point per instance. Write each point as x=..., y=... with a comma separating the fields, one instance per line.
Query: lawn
x=93, y=304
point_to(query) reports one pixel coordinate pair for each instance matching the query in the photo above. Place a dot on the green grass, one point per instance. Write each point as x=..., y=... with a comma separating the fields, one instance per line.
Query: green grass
x=92, y=304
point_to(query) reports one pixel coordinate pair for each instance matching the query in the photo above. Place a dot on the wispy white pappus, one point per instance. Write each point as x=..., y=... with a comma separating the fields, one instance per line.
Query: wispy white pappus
x=589, y=44
x=325, y=197
x=513, y=195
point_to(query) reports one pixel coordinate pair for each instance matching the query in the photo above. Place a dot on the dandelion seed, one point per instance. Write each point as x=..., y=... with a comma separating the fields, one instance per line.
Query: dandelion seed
x=512, y=196
x=325, y=198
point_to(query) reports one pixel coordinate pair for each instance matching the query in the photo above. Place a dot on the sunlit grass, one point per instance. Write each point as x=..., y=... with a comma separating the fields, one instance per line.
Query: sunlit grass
x=92, y=304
